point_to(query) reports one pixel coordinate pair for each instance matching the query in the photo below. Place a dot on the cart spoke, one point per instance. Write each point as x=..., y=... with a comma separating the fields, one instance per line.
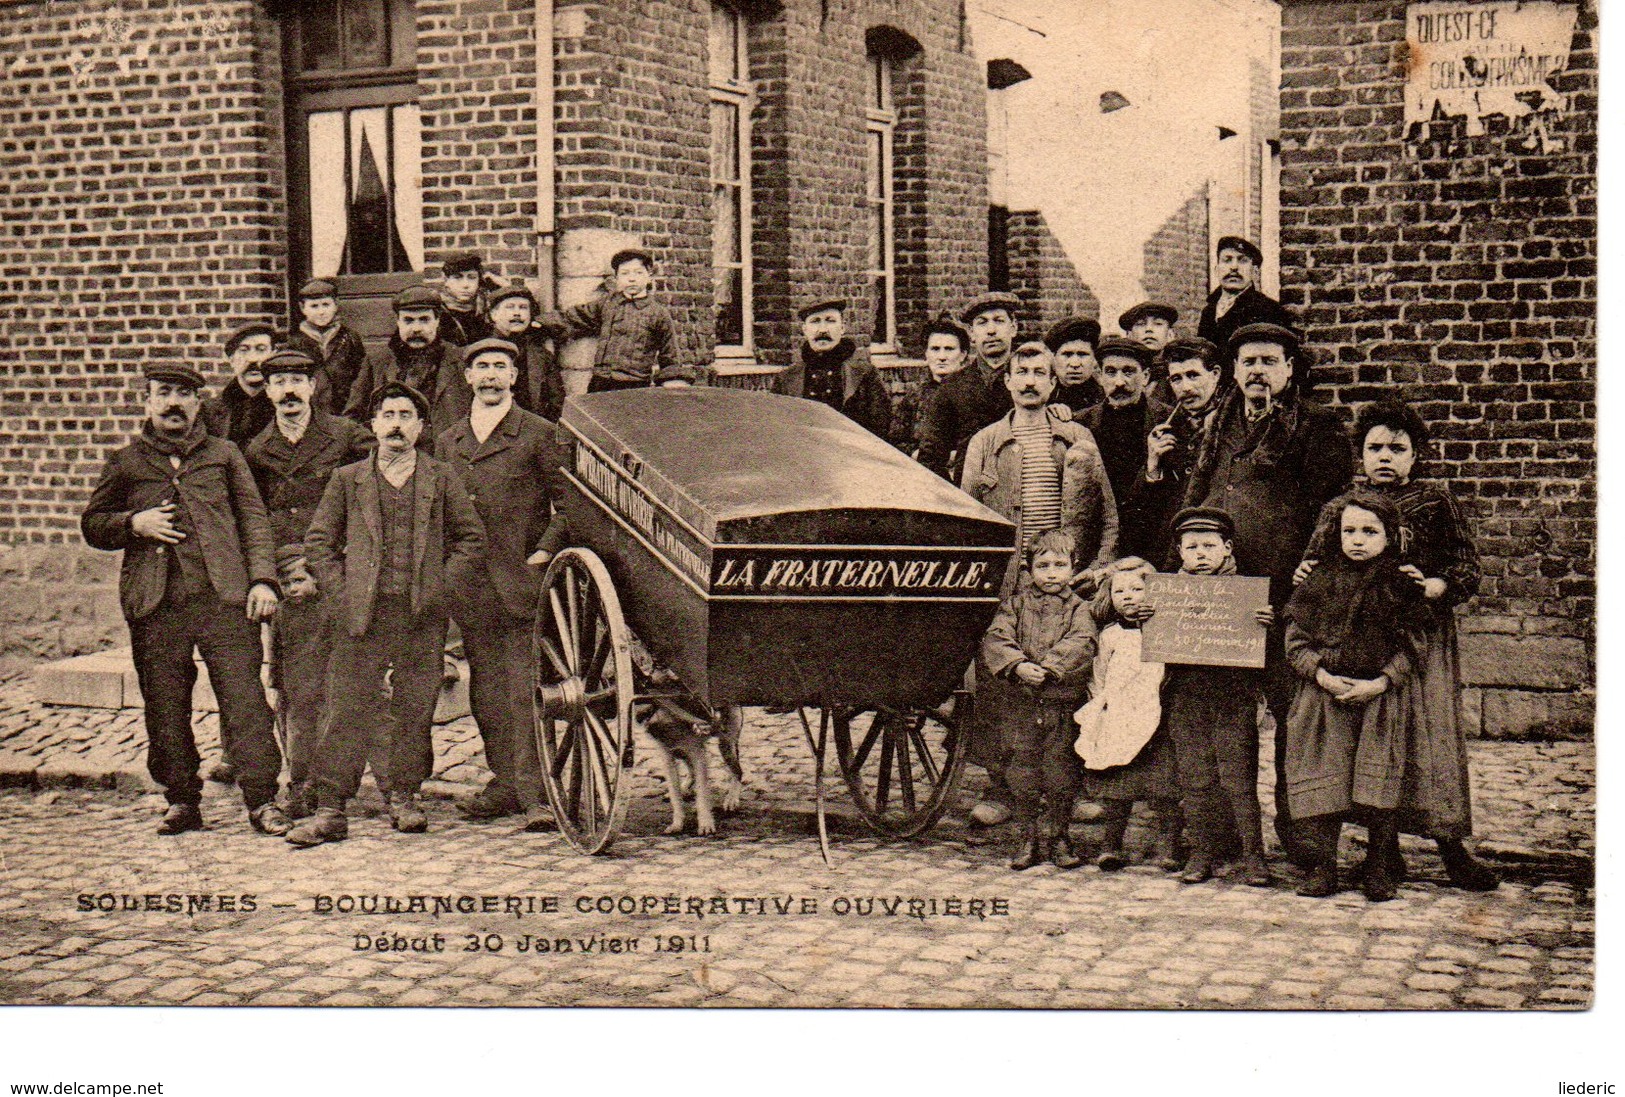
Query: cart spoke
x=572, y=598
x=598, y=657
x=883, y=779
x=862, y=755
x=604, y=749
x=905, y=772
x=591, y=625
x=567, y=640
x=553, y=656
x=562, y=747
x=923, y=750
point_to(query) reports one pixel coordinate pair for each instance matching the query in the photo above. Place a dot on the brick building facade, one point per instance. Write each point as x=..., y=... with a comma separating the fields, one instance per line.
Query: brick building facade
x=1459, y=270
x=170, y=169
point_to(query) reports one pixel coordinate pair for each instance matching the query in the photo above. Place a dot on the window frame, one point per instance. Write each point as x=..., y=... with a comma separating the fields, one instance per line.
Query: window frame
x=736, y=91
x=880, y=117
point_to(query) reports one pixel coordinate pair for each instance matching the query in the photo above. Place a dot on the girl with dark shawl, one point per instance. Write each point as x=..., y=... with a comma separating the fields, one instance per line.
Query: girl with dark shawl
x=1351, y=639
x=1435, y=798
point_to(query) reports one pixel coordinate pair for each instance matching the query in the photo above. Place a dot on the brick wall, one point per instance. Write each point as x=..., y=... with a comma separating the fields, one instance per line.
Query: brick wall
x=1176, y=267
x=1042, y=275
x=1460, y=271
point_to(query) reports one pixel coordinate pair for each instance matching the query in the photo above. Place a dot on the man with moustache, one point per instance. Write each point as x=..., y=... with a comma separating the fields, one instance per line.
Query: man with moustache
x=242, y=410
x=292, y=461
x=1120, y=424
x=1196, y=378
x=508, y=460
x=416, y=356
x=1072, y=341
x=539, y=388
x=1237, y=301
x=831, y=369
x=198, y=573
x=976, y=395
x=1271, y=460
x=1042, y=473
x=394, y=535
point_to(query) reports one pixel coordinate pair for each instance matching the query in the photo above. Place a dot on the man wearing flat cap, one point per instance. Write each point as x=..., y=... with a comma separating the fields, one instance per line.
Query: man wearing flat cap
x=539, y=388
x=833, y=370
x=461, y=319
x=1197, y=378
x=1237, y=301
x=418, y=356
x=1271, y=460
x=975, y=396
x=335, y=347
x=1072, y=341
x=292, y=461
x=393, y=537
x=242, y=410
x=1122, y=422
x=508, y=460
x=638, y=345
x=199, y=572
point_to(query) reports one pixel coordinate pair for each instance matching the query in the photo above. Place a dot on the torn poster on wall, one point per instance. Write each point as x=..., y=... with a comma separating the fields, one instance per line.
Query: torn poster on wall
x=1479, y=59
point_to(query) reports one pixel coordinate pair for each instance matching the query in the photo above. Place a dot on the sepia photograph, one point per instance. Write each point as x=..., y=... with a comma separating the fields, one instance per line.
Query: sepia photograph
x=811, y=504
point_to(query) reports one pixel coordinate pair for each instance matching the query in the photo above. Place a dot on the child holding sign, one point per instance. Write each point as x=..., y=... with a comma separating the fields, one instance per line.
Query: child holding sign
x=1212, y=718
x=1351, y=638
x=1037, y=653
x=1120, y=737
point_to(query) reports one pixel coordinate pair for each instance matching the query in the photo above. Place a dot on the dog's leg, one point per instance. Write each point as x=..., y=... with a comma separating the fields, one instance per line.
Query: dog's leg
x=674, y=792
x=728, y=727
x=695, y=752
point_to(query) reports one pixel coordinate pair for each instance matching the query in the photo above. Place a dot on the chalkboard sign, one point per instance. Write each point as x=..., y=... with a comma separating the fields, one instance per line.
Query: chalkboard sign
x=1205, y=619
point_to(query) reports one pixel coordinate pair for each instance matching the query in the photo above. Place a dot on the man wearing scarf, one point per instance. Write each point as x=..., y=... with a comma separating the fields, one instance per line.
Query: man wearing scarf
x=242, y=410
x=831, y=369
x=1120, y=425
x=419, y=357
x=461, y=320
x=199, y=572
x=1271, y=460
x=393, y=536
x=1196, y=381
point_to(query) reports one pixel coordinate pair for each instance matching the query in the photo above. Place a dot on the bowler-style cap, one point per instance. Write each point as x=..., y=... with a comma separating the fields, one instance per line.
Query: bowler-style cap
x=822, y=304
x=416, y=297
x=1205, y=520
x=1072, y=330
x=480, y=346
x=1009, y=302
x=247, y=330
x=1148, y=310
x=391, y=389
x=1246, y=247
x=1287, y=339
x=175, y=375
x=1125, y=348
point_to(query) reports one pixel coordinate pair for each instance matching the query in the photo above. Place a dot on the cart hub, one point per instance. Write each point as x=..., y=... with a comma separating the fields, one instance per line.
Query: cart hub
x=566, y=700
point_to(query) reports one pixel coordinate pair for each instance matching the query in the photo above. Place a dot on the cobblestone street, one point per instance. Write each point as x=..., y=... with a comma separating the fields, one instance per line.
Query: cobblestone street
x=759, y=919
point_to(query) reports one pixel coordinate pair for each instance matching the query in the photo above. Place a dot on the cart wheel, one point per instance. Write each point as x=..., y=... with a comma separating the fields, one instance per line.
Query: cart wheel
x=583, y=699
x=901, y=765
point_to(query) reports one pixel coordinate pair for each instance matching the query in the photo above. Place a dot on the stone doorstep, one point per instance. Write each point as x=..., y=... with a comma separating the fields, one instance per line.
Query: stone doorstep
x=107, y=679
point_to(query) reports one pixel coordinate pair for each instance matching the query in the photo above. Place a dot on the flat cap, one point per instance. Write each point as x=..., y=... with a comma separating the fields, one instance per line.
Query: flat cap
x=517, y=289
x=946, y=325
x=1287, y=339
x=1205, y=520
x=318, y=287
x=1071, y=330
x=1187, y=347
x=1125, y=348
x=417, y=297
x=390, y=389
x=1245, y=246
x=822, y=304
x=289, y=361
x=480, y=346
x=1146, y=310
x=460, y=262
x=626, y=255
x=248, y=331
x=1009, y=302
x=175, y=375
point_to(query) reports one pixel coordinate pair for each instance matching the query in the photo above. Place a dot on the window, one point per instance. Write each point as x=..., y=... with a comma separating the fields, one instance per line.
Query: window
x=730, y=181
x=881, y=115
x=355, y=143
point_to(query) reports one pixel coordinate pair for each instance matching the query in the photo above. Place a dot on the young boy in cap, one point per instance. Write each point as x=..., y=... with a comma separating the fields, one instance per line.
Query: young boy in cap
x=1211, y=714
x=637, y=338
x=241, y=410
x=461, y=321
x=831, y=369
x=199, y=572
x=335, y=347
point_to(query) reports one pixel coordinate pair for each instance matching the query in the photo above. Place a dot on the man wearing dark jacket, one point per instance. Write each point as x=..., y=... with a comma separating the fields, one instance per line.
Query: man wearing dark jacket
x=1120, y=425
x=508, y=460
x=419, y=357
x=831, y=369
x=1271, y=460
x=975, y=396
x=335, y=348
x=241, y=410
x=198, y=572
x=1237, y=302
x=1073, y=343
x=394, y=535
x=292, y=461
x=540, y=387
x=1196, y=377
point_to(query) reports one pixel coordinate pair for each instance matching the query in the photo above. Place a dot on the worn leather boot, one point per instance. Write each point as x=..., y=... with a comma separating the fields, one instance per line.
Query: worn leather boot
x=1253, y=868
x=1319, y=837
x=1466, y=871
x=1032, y=849
x=1061, y=852
x=1165, y=852
x=327, y=825
x=269, y=819
x=181, y=818
x=405, y=814
x=1114, y=826
x=1379, y=884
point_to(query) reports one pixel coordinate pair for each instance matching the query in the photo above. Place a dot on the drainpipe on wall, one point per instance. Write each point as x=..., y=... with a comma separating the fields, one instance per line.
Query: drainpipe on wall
x=546, y=228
